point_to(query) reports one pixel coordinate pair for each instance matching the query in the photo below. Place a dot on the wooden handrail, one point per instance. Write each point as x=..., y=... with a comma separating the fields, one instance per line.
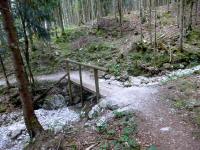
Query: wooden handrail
x=95, y=68
x=88, y=65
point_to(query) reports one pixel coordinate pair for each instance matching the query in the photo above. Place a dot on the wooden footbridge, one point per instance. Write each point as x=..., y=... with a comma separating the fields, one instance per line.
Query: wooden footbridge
x=94, y=88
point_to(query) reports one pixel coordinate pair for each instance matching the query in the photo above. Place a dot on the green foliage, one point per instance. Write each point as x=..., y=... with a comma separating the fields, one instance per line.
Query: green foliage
x=152, y=147
x=115, y=69
x=102, y=128
x=194, y=37
x=98, y=54
x=2, y=108
x=111, y=132
x=126, y=139
x=180, y=104
x=167, y=19
x=70, y=35
x=120, y=114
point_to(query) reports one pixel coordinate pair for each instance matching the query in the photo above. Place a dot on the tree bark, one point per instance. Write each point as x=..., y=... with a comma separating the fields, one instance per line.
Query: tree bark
x=120, y=14
x=141, y=17
x=196, y=11
x=26, y=52
x=33, y=126
x=150, y=17
x=178, y=13
x=61, y=18
x=191, y=15
x=4, y=72
x=155, y=25
x=181, y=24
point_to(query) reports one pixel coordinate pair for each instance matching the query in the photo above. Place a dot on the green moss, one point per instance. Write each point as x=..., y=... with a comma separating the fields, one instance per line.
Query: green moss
x=98, y=53
x=70, y=35
x=194, y=37
x=126, y=138
x=2, y=108
x=180, y=104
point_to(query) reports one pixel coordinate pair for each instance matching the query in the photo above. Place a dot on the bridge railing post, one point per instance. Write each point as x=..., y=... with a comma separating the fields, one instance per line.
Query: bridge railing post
x=69, y=83
x=96, y=84
x=81, y=84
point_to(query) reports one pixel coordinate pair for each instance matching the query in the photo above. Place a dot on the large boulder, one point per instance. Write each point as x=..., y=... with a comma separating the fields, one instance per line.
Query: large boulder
x=55, y=102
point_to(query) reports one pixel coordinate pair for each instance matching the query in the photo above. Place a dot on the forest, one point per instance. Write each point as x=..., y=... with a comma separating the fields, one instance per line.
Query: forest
x=100, y=74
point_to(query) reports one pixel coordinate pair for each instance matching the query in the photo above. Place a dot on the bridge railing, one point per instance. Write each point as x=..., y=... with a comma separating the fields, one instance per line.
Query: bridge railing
x=80, y=65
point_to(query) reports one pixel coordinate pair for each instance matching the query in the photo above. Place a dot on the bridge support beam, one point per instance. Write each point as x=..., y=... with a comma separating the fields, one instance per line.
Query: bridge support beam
x=96, y=84
x=81, y=85
x=69, y=83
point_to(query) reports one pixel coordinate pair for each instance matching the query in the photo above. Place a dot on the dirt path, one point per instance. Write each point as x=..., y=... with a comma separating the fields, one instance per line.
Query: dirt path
x=158, y=125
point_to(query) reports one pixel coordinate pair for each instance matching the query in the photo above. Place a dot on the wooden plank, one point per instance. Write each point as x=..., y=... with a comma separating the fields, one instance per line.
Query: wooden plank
x=87, y=65
x=81, y=84
x=96, y=84
x=69, y=83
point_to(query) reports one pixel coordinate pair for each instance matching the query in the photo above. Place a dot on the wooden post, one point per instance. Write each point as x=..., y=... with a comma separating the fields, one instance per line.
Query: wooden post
x=96, y=84
x=69, y=83
x=81, y=84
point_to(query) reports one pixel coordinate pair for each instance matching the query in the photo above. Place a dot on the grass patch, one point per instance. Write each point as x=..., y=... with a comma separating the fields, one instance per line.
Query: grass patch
x=194, y=37
x=180, y=104
x=99, y=54
x=2, y=108
x=70, y=35
x=184, y=94
x=121, y=133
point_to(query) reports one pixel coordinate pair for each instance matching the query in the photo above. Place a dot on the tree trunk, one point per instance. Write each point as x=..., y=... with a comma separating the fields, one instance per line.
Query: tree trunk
x=150, y=17
x=191, y=16
x=26, y=52
x=196, y=11
x=120, y=14
x=33, y=126
x=181, y=24
x=168, y=6
x=155, y=25
x=61, y=18
x=178, y=13
x=141, y=17
x=4, y=72
x=98, y=10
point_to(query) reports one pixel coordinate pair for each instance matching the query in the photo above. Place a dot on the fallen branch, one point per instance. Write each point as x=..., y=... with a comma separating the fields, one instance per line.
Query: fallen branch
x=92, y=146
x=196, y=106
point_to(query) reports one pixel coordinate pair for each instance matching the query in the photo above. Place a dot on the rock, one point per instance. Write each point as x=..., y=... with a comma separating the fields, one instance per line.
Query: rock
x=123, y=78
x=192, y=103
x=112, y=106
x=144, y=81
x=102, y=121
x=112, y=78
x=76, y=99
x=181, y=66
x=165, y=129
x=14, y=134
x=54, y=102
x=95, y=112
x=167, y=66
x=136, y=33
x=107, y=76
x=127, y=84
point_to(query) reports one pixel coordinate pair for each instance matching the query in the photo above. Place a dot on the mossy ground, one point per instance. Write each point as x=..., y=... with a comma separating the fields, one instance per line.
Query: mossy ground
x=118, y=133
x=184, y=95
